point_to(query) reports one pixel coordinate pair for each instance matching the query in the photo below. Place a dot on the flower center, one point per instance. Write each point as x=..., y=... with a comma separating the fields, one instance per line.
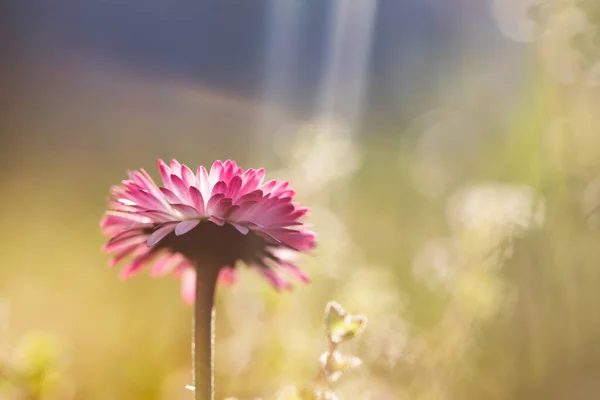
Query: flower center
x=216, y=245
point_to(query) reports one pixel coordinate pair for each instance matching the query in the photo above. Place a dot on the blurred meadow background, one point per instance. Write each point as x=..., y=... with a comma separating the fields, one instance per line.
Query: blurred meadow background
x=449, y=149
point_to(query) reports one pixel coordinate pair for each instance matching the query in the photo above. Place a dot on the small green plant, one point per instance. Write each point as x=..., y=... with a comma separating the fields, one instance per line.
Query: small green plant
x=340, y=327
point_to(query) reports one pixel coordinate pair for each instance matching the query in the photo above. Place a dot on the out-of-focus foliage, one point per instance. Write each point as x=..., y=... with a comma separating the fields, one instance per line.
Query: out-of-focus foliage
x=34, y=368
x=339, y=327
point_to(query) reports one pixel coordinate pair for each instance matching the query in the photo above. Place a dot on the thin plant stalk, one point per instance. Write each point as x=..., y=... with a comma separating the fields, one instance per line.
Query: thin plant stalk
x=204, y=332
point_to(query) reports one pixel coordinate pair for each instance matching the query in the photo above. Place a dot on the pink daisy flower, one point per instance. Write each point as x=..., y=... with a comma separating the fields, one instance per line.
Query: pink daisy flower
x=216, y=218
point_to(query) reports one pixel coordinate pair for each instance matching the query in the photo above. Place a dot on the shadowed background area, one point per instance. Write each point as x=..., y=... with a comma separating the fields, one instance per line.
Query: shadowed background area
x=449, y=150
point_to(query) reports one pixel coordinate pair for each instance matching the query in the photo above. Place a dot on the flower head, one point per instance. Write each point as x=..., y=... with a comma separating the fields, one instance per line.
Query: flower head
x=209, y=218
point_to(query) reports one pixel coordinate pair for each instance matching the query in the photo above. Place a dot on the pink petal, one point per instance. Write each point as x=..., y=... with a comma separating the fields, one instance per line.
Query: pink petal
x=135, y=266
x=288, y=193
x=268, y=186
x=241, y=210
x=135, y=232
x=299, y=213
x=122, y=243
x=287, y=223
x=160, y=233
x=219, y=188
x=225, y=170
x=117, y=191
x=221, y=209
x=301, y=241
x=234, y=187
x=203, y=182
x=267, y=237
x=212, y=202
x=180, y=189
x=112, y=225
x=295, y=271
x=276, y=280
x=142, y=178
x=165, y=173
x=170, y=196
x=215, y=172
x=260, y=175
x=230, y=169
x=186, y=211
x=242, y=229
x=197, y=200
x=230, y=211
x=188, y=176
x=252, y=196
x=248, y=175
x=128, y=184
x=252, y=180
x=282, y=232
x=227, y=276
x=253, y=225
x=159, y=216
x=185, y=226
x=280, y=188
x=122, y=255
x=165, y=265
x=124, y=204
x=151, y=185
x=123, y=219
x=217, y=220
x=280, y=210
x=260, y=208
x=176, y=168
x=147, y=200
x=188, y=285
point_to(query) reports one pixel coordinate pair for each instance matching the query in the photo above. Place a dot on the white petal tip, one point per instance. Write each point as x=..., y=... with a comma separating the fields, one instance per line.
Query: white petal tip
x=159, y=234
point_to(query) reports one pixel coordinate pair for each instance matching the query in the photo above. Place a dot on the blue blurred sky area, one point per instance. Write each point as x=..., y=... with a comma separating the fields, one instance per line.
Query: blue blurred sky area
x=224, y=43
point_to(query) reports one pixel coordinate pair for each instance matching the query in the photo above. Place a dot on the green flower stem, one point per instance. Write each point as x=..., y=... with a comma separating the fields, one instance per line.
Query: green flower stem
x=322, y=377
x=204, y=331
